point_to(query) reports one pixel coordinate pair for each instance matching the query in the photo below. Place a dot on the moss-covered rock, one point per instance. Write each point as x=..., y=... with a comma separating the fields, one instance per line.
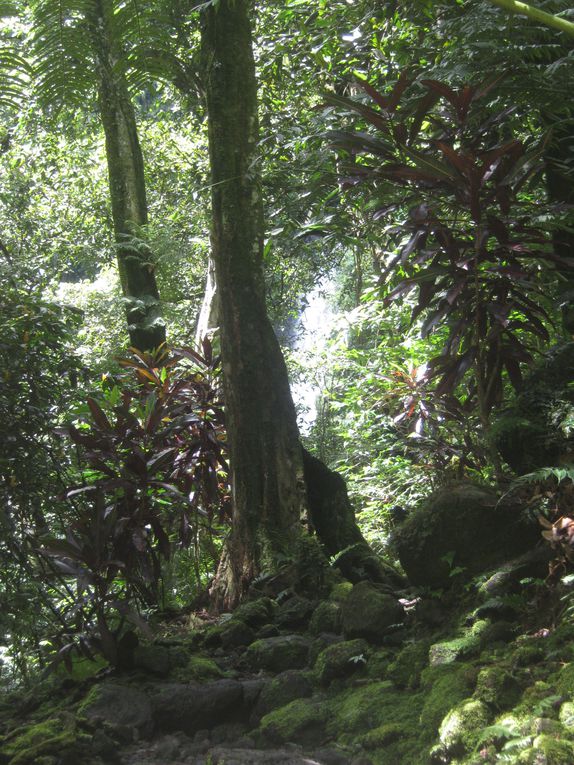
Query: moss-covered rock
x=235, y=634
x=200, y=669
x=549, y=751
x=370, y=613
x=294, y=613
x=325, y=618
x=464, y=526
x=255, y=613
x=444, y=687
x=27, y=745
x=281, y=690
x=497, y=687
x=341, y=660
x=277, y=654
x=461, y=728
x=303, y=721
x=467, y=645
x=405, y=671
x=118, y=705
x=340, y=591
x=566, y=716
x=565, y=681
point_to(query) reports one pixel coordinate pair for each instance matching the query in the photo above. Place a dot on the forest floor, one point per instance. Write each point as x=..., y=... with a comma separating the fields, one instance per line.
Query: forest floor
x=480, y=673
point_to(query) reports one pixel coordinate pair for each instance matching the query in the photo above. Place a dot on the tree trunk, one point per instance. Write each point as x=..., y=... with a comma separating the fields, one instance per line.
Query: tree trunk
x=265, y=455
x=561, y=190
x=127, y=186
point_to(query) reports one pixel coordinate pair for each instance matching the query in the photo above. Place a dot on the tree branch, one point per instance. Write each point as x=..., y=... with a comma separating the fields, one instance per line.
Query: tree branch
x=534, y=14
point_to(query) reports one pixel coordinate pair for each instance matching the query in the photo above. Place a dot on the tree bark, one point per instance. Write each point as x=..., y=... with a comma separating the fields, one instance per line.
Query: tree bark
x=265, y=455
x=561, y=190
x=127, y=185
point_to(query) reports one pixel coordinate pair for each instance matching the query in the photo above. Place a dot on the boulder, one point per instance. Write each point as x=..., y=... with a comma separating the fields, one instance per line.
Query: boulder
x=189, y=707
x=461, y=530
x=341, y=660
x=255, y=613
x=294, y=613
x=277, y=654
x=281, y=690
x=119, y=705
x=326, y=618
x=370, y=613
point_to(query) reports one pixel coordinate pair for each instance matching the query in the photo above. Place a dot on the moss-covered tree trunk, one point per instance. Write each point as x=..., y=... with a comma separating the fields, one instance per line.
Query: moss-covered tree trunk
x=265, y=455
x=127, y=184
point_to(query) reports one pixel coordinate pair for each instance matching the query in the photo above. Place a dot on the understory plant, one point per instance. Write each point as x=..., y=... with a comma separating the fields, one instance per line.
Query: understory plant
x=466, y=235
x=152, y=454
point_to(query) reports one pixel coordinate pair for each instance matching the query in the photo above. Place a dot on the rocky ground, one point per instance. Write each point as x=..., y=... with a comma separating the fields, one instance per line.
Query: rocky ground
x=476, y=670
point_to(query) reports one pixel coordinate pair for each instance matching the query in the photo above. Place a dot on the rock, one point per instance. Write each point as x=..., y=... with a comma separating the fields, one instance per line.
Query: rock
x=340, y=591
x=369, y=613
x=405, y=671
x=153, y=659
x=326, y=618
x=281, y=690
x=566, y=716
x=444, y=687
x=322, y=641
x=255, y=613
x=278, y=654
x=466, y=520
x=119, y=705
x=341, y=660
x=235, y=634
x=202, y=670
x=294, y=613
x=507, y=579
x=460, y=729
x=43, y=741
x=548, y=750
x=303, y=720
x=190, y=707
x=268, y=630
x=240, y=756
x=497, y=688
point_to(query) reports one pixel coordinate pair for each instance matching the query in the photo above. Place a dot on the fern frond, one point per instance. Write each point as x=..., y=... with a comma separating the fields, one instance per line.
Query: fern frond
x=63, y=56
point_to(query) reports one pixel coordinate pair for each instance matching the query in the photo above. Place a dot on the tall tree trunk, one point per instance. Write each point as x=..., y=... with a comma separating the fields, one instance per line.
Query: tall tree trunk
x=561, y=189
x=127, y=185
x=265, y=455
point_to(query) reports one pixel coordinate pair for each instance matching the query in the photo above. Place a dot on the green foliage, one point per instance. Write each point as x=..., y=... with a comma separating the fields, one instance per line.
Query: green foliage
x=152, y=456
x=465, y=246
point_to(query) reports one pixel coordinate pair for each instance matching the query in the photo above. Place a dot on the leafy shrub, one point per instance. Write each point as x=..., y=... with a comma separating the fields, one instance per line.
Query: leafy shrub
x=153, y=457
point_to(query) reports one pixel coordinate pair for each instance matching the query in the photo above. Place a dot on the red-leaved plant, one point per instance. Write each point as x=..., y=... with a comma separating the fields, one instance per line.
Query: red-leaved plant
x=155, y=475
x=470, y=248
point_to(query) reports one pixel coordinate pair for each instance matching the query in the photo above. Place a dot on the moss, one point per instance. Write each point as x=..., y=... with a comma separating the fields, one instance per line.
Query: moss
x=565, y=681
x=527, y=654
x=326, y=618
x=539, y=699
x=378, y=663
x=41, y=740
x=461, y=728
x=405, y=671
x=303, y=721
x=566, y=716
x=549, y=750
x=341, y=660
x=497, y=687
x=445, y=686
x=340, y=591
x=202, y=670
x=255, y=613
x=469, y=644
x=376, y=712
